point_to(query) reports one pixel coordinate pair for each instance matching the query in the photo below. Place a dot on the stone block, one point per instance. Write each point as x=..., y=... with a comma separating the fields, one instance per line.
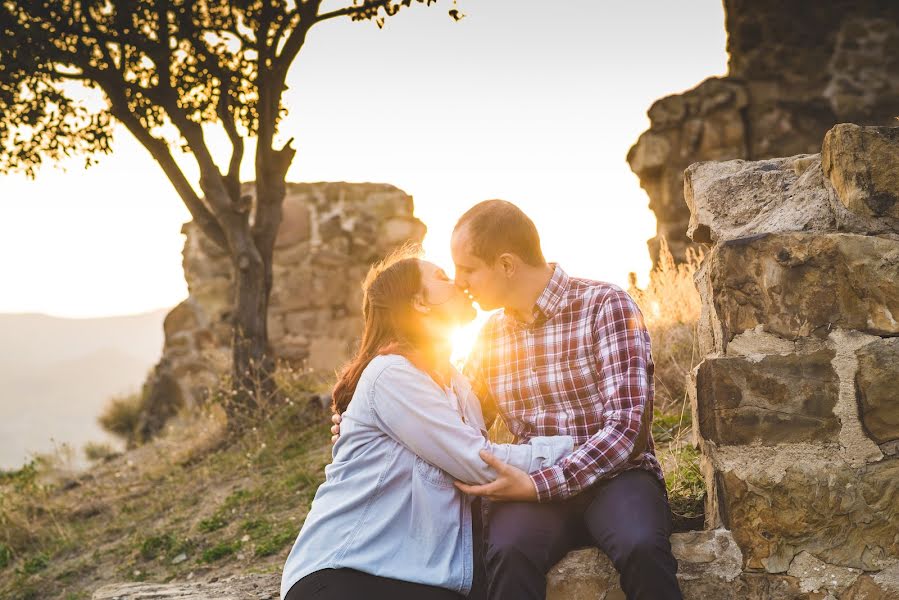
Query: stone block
x=767, y=399
x=862, y=163
x=877, y=388
x=780, y=501
x=802, y=284
x=738, y=198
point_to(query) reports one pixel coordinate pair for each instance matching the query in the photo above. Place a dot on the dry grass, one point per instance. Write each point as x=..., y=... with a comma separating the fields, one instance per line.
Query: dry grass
x=194, y=502
x=670, y=306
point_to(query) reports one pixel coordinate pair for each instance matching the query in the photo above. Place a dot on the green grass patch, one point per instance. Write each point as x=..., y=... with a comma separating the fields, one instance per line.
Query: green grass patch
x=219, y=551
x=153, y=547
x=213, y=523
x=5, y=556
x=35, y=564
x=256, y=527
x=275, y=543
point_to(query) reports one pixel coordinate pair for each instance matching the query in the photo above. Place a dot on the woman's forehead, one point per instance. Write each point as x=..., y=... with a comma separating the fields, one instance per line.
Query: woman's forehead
x=429, y=268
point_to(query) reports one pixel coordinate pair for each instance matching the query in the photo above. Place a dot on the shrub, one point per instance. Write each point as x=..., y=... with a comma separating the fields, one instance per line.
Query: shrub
x=121, y=416
x=96, y=451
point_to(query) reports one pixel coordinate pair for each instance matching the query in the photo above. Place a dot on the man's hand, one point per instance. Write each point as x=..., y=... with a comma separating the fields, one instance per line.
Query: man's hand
x=511, y=484
x=335, y=428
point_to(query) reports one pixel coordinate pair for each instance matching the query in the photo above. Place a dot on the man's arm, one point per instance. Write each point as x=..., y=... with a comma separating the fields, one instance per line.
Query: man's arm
x=623, y=358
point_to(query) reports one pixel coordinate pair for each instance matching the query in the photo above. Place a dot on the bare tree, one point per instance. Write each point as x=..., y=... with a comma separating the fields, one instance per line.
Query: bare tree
x=166, y=68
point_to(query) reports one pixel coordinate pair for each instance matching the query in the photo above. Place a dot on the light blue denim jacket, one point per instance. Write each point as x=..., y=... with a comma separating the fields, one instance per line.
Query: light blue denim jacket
x=388, y=505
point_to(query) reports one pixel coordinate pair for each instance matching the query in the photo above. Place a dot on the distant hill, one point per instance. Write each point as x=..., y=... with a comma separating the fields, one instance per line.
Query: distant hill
x=56, y=374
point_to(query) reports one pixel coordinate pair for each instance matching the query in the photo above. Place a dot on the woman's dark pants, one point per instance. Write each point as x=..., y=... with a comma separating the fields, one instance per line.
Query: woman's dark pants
x=348, y=584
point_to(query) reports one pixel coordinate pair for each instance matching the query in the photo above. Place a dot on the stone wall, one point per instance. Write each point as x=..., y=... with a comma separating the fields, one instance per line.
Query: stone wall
x=329, y=236
x=796, y=403
x=795, y=69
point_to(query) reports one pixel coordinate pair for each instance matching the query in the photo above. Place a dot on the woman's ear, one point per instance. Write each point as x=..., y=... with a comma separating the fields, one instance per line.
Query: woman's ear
x=419, y=305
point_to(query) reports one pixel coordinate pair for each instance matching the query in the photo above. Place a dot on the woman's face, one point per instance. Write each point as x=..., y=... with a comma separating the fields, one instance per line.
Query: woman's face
x=446, y=302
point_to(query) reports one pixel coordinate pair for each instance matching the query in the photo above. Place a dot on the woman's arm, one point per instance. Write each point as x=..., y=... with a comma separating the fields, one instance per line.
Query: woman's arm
x=413, y=410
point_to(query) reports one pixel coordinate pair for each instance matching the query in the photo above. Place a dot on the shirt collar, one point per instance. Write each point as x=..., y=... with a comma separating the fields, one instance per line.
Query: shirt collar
x=551, y=301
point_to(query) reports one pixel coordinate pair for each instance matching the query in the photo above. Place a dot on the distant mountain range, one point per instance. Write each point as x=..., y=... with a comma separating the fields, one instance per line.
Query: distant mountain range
x=57, y=374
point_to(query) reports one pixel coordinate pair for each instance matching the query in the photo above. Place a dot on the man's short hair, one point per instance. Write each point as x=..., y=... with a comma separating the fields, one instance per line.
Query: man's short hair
x=496, y=227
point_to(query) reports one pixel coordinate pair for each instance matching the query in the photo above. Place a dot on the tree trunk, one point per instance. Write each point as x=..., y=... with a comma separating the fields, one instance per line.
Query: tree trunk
x=252, y=367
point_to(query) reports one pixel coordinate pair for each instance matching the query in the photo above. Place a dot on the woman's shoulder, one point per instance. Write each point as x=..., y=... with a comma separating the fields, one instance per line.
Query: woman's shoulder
x=390, y=366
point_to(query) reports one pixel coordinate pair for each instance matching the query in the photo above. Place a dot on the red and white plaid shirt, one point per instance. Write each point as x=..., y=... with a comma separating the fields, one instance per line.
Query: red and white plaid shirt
x=582, y=368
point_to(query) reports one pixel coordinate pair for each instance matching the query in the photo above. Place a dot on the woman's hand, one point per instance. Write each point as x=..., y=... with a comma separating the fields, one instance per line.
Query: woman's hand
x=335, y=428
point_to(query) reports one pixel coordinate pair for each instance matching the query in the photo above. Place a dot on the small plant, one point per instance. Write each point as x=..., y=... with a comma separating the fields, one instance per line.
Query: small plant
x=213, y=523
x=275, y=543
x=156, y=546
x=256, y=527
x=219, y=551
x=122, y=416
x=97, y=451
x=5, y=556
x=35, y=564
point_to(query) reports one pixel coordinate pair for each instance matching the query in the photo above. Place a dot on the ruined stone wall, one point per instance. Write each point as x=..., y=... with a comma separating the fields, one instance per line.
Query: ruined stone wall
x=329, y=236
x=795, y=69
x=796, y=403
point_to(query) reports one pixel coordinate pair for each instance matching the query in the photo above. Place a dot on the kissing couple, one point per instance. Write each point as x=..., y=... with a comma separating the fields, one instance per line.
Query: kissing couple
x=418, y=503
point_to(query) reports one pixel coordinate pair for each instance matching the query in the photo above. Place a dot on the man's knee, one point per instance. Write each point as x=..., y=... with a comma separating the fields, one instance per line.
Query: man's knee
x=642, y=547
x=523, y=541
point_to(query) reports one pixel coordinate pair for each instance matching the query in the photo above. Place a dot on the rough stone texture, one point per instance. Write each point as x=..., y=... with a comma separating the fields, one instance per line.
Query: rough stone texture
x=780, y=501
x=794, y=71
x=243, y=587
x=877, y=384
x=863, y=166
x=768, y=399
x=709, y=569
x=801, y=284
x=737, y=199
x=795, y=407
x=329, y=236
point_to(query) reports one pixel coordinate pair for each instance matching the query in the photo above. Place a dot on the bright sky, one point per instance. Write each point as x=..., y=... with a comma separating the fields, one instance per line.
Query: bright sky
x=519, y=101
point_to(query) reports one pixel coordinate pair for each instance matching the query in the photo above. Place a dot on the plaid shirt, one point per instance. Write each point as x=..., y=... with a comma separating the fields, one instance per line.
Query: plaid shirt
x=582, y=368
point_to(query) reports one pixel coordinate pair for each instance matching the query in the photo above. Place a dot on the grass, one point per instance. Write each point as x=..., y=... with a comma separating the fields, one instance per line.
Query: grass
x=670, y=305
x=209, y=495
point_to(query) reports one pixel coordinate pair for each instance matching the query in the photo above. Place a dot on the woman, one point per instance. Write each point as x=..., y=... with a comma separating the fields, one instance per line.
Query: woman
x=388, y=521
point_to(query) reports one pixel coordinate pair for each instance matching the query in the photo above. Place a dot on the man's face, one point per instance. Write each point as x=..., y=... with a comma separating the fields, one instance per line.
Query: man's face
x=485, y=283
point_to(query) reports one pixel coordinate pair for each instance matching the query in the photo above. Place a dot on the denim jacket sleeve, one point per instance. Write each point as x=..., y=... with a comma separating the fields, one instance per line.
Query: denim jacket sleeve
x=412, y=409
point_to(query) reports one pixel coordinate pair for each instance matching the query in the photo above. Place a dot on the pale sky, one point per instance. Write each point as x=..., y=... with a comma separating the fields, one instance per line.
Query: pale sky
x=517, y=101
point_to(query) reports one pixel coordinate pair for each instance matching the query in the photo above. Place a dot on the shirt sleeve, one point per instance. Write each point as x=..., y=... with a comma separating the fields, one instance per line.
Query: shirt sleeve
x=412, y=409
x=624, y=371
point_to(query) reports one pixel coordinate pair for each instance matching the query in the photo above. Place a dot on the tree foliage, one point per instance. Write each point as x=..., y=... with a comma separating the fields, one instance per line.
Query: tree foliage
x=168, y=70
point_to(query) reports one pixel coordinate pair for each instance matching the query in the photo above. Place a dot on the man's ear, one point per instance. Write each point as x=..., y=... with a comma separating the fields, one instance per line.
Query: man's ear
x=508, y=264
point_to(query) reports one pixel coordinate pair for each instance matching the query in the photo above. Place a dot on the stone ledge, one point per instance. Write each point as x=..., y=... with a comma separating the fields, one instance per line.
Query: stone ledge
x=710, y=563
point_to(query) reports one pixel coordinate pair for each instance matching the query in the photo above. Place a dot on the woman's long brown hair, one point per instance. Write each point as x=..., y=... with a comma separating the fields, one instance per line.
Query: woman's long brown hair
x=388, y=293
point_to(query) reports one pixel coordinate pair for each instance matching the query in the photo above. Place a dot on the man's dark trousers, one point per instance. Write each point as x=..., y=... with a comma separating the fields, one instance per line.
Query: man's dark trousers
x=626, y=516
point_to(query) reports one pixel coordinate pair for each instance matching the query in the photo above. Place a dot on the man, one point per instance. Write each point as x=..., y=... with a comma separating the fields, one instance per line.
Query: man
x=564, y=356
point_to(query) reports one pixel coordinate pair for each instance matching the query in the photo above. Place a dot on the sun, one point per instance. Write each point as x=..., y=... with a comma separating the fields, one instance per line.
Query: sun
x=464, y=338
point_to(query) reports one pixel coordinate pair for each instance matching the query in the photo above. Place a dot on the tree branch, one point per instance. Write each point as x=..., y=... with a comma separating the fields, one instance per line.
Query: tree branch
x=160, y=152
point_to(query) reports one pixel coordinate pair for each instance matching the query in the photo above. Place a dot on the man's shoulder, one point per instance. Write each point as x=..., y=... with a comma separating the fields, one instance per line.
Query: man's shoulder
x=594, y=292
